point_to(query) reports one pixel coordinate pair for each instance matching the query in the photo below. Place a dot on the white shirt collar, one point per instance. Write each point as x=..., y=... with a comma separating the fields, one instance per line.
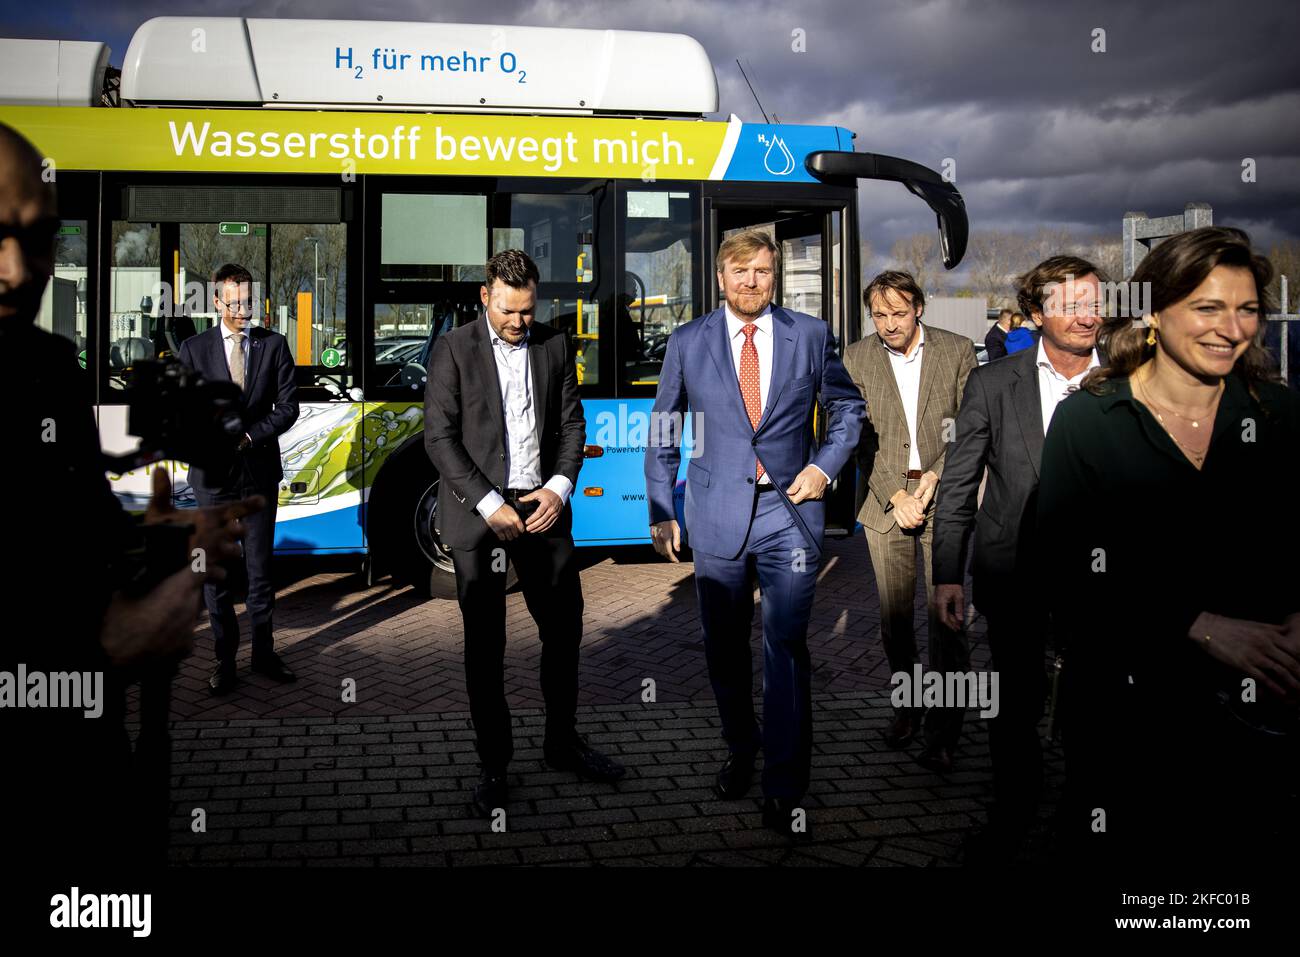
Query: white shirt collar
x=735, y=323
x=1045, y=363
x=916, y=351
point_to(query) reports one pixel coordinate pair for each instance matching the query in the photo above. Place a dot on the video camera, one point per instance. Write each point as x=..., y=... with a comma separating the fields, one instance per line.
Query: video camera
x=180, y=415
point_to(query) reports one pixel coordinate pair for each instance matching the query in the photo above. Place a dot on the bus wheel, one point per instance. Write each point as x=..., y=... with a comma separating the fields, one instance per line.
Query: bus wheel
x=400, y=528
x=402, y=514
x=443, y=573
x=431, y=570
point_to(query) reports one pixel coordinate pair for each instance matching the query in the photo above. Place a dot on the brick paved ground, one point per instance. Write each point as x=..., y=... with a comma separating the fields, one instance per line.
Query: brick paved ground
x=289, y=775
x=393, y=790
x=640, y=622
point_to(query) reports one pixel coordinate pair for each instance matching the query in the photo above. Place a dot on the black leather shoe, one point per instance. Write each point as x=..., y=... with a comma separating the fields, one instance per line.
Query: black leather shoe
x=938, y=760
x=734, y=777
x=275, y=669
x=490, y=793
x=586, y=762
x=223, y=680
x=900, y=733
x=778, y=816
x=991, y=847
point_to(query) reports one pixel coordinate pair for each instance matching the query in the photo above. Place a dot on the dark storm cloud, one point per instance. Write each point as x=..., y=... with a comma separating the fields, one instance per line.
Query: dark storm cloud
x=1043, y=131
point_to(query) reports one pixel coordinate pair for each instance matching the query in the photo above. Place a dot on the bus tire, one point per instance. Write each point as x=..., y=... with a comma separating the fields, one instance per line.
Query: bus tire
x=400, y=527
x=401, y=517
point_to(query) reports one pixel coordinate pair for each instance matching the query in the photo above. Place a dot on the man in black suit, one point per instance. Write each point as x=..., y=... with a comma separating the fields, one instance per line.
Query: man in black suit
x=259, y=361
x=1004, y=415
x=501, y=417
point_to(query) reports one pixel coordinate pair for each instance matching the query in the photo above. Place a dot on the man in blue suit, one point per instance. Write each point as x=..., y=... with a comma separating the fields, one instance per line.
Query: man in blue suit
x=751, y=373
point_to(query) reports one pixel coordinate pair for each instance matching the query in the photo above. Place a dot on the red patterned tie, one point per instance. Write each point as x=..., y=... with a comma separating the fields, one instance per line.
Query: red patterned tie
x=750, y=390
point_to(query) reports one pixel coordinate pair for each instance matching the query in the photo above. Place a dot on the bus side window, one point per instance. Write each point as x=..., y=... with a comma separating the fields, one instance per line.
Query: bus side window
x=137, y=299
x=404, y=336
x=656, y=295
x=555, y=230
x=63, y=307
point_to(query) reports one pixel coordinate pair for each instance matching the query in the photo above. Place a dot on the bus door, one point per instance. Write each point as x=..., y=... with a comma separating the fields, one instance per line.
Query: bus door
x=70, y=297
x=169, y=235
x=814, y=264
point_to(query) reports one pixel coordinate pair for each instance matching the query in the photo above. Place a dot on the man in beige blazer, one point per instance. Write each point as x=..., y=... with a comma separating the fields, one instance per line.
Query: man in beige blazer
x=912, y=377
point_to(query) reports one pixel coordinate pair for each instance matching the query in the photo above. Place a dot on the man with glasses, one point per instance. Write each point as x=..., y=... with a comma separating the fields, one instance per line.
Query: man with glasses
x=258, y=361
x=1005, y=413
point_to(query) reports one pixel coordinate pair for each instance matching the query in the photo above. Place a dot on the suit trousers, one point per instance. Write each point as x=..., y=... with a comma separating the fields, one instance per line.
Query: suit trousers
x=776, y=555
x=258, y=544
x=1017, y=636
x=893, y=560
x=548, y=576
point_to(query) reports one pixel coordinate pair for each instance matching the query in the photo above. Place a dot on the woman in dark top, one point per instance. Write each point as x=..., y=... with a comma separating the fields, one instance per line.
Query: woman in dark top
x=995, y=342
x=1174, y=579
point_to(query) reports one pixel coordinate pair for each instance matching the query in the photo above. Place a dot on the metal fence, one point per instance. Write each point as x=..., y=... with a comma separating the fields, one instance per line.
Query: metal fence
x=1284, y=317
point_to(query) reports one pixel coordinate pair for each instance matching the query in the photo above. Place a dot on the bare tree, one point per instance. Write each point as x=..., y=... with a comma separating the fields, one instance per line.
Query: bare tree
x=200, y=259
x=292, y=266
x=996, y=259
x=334, y=264
x=1107, y=254
x=1049, y=241
x=1285, y=258
x=918, y=255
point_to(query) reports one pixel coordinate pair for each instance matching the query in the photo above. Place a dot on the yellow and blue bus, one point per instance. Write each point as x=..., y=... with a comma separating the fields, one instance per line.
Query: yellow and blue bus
x=364, y=172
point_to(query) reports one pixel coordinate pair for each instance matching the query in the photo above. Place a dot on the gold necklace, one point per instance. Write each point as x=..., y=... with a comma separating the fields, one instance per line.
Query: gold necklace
x=1197, y=454
x=1195, y=422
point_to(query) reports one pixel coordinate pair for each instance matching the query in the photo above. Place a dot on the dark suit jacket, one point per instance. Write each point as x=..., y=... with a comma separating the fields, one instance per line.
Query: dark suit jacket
x=995, y=343
x=465, y=425
x=270, y=400
x=1000, y=425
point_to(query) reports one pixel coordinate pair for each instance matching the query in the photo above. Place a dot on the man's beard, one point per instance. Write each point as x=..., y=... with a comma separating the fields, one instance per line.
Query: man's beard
x=748, y=304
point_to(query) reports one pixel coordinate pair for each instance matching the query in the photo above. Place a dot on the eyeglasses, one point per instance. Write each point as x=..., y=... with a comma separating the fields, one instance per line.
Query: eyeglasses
x=238, y=305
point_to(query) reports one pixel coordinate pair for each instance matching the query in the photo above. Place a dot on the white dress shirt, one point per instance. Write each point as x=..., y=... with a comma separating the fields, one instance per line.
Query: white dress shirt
x=1053, y=387
x=907, y=373
x=523, y=453
x=763, y=344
